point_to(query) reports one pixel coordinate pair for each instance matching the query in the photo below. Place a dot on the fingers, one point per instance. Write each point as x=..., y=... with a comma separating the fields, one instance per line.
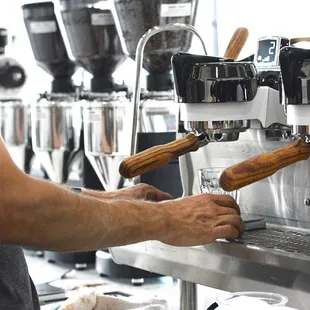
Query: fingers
x=225, y=201
x=225, y=231
x=161, y=196
x=225, y=211
x=149, y=192
x=233, y=220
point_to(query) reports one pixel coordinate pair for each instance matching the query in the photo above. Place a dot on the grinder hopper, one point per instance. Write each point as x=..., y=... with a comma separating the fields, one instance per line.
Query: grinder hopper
x=135, y=17
x=55, y=128
x=95, y=44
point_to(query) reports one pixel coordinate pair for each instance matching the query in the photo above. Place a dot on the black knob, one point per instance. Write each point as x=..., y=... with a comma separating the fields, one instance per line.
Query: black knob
x=12, y=77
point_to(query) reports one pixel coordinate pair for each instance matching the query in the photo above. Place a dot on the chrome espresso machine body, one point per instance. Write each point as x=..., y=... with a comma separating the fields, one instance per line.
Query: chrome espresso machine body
x=236, y=103
x=14, y=109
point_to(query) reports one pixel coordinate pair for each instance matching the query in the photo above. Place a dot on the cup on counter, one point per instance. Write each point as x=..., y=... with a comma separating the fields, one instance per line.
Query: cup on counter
x=250, y=301
x=209, y=182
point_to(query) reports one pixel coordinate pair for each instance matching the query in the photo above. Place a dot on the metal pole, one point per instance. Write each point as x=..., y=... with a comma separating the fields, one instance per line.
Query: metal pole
x=215, y=30
x=188, y=295
x=139, y=61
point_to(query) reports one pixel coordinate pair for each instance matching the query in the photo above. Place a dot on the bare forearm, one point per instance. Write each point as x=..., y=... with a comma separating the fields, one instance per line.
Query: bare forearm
x=58, y=219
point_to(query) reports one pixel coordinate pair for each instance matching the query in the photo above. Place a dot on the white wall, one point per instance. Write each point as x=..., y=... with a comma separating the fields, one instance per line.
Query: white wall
x=261, y=17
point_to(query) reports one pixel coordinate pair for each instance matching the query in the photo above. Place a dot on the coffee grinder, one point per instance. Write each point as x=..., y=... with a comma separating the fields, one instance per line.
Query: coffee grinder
x=14, y=111
x=158, y=112
x=107, y=110
x=56, y=116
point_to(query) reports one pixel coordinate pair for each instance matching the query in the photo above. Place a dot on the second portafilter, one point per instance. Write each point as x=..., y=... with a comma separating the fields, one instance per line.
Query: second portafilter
x=295, y=89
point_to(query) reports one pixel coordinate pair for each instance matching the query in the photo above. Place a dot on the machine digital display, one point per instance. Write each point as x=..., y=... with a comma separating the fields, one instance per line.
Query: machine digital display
x=267, y=51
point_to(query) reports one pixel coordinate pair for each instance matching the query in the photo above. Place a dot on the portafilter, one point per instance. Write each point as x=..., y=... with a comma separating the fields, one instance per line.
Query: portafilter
x=203, y=80
x=294, y=94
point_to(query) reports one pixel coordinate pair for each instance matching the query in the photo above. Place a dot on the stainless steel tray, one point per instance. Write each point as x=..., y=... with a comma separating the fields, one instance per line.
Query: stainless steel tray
x=270, y=259
x=277, y=239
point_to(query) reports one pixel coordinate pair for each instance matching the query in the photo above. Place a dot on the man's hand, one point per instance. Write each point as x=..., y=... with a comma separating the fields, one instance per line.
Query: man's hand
x=137, y=192
x=201, y=219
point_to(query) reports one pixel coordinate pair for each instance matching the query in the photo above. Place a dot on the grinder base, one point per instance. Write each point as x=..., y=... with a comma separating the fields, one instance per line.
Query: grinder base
x=106, y=267
x=80, y=260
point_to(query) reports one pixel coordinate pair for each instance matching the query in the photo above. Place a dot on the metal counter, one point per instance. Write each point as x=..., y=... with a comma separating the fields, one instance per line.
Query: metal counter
x=230, y=266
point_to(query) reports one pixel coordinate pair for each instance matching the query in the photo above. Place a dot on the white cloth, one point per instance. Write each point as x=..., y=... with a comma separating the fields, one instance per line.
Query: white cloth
x=97, y=301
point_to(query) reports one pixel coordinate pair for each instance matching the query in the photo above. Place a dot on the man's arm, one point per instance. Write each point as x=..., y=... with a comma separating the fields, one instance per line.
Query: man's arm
x=140, y=191
x=39, y=214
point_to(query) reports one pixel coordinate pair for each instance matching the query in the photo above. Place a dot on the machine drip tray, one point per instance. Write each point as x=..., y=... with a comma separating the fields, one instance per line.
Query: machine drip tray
x=278, y=239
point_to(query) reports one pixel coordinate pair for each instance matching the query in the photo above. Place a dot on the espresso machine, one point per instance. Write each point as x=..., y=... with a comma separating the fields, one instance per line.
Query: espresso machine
x=156, y=119
x=14, y=111
x=56, y=116
x=231, y=102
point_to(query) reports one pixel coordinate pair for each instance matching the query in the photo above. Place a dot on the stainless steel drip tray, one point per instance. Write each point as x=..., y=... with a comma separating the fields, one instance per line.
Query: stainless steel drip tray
x=279, y=240
x=269, y=259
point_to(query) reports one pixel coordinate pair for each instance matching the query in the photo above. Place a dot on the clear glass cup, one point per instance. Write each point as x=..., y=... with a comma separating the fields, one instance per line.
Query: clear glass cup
x=209, y=182
x=242, y=300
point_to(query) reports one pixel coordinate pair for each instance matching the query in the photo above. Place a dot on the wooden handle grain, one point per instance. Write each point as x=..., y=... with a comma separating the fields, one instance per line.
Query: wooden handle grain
x=262, y=166
x=157, y=156
x=301, y=39
x=236, y=43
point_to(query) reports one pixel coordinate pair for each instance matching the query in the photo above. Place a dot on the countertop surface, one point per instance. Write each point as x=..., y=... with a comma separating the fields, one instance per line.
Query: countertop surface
x=166, y=288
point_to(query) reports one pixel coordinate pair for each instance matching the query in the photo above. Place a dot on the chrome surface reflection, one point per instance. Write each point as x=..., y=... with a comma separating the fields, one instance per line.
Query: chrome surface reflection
x=217, y=82
x=56, y=132
x=107, y=130
x=158, y=112
x=15, y=131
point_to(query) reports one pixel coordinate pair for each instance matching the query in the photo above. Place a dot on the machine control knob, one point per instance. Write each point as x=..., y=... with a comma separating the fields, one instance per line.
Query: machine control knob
x=12, y=76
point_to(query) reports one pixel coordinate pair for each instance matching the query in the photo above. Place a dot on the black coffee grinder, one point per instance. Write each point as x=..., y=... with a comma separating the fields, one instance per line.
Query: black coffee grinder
x=158, y=112
x=107, y=110
x=57, y=135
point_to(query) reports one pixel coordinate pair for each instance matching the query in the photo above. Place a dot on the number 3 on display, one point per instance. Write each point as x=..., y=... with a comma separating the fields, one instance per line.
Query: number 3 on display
x=271, y=48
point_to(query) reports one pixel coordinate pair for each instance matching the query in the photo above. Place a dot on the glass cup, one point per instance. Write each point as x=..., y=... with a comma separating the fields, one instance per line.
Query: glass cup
x=209, y=182
x=252, y=300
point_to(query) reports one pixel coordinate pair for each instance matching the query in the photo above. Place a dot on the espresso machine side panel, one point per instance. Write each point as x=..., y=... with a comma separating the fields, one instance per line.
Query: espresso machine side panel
x=280, y=198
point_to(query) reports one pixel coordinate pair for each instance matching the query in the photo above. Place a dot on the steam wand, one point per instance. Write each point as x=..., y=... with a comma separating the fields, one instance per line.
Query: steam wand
x=139, y=61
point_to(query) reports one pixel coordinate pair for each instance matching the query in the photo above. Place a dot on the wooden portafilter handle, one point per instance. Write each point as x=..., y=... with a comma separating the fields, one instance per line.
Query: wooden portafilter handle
x=263, y=166
x=236, y=43
x=157, y=156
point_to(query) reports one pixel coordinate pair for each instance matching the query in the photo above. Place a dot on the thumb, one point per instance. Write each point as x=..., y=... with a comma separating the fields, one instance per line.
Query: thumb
x=160, y=196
